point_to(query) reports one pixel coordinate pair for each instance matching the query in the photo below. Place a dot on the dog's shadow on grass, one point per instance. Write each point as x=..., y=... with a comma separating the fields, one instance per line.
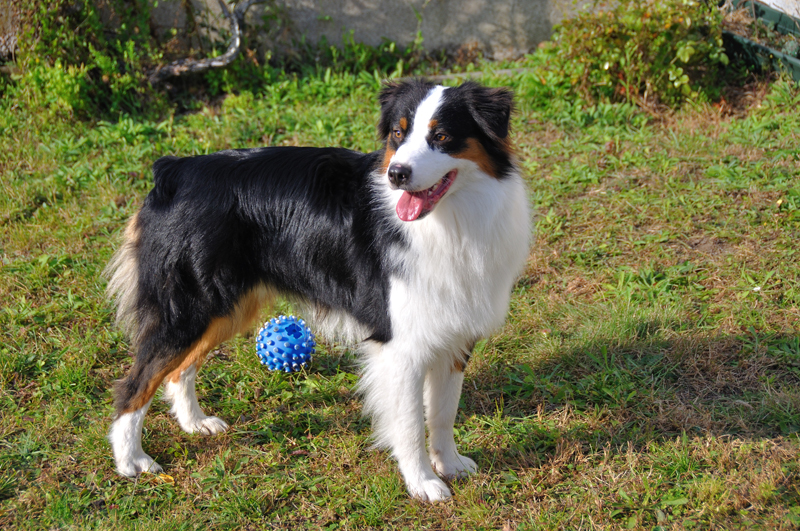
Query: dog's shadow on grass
x=597, y=393
x=602, y=393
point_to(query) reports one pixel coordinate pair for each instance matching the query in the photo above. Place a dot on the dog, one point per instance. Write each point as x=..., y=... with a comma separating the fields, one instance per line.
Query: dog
x=410, y=252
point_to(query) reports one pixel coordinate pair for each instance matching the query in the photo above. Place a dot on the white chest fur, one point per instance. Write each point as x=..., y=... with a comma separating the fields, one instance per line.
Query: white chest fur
x=462, y=263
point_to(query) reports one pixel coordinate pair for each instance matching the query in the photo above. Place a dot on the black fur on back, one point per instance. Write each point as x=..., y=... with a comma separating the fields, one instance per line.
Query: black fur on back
x=301, y=220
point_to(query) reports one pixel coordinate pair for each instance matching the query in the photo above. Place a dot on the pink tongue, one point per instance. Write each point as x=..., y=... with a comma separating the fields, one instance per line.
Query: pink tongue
x=409, y=207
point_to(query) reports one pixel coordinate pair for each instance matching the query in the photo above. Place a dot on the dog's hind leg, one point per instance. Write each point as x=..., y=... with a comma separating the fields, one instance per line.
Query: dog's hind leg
x=180, y=392
x=156, y=361
x=179, y=388
x=133, y=397
x=442, y=392
x=126, y=441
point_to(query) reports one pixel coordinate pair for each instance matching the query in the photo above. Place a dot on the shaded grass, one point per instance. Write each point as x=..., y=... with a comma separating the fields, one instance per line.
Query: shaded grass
x=648, y=374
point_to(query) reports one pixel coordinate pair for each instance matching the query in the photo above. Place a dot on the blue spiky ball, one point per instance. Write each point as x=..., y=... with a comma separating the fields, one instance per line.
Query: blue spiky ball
x=285, y=344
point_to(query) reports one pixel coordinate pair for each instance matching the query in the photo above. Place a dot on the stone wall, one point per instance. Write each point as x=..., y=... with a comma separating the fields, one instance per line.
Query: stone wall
x=503, y=29
x=500, y=29
x=9, y=28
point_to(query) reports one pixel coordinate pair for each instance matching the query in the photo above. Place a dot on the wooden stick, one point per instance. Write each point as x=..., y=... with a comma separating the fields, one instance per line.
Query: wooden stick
x=193, y=66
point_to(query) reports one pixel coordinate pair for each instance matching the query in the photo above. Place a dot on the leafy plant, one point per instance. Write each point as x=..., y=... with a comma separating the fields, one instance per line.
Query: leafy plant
x=75, y=61
x=642, y=52
x=654, y=285
x=92, y=60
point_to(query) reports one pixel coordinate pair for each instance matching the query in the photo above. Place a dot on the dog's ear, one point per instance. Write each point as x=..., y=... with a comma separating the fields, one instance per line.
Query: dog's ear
x=491, y=108
x=393, y=94
x=389, y=92
x=387, y=98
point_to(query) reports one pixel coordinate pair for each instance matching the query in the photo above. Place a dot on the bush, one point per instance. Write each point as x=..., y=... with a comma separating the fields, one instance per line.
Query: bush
x=644, y=52
x=73, y=61
x=91, y=60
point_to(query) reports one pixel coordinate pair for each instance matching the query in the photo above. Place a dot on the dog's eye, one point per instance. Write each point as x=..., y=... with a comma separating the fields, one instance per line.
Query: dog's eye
x=397, y=132
x=441, y=137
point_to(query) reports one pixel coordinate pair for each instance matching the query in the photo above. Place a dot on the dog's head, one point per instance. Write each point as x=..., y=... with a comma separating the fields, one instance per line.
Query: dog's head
x=438, y=138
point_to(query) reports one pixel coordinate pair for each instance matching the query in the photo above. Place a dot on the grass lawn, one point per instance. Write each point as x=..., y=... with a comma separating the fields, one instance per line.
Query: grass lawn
x=648, y=375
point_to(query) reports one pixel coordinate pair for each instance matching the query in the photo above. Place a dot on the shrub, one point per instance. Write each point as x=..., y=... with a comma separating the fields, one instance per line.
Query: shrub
x=73, y=60
x=92, y=59
x=642, y=52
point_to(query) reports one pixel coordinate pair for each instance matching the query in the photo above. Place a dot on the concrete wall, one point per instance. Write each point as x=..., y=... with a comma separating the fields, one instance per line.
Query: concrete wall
x=500, y=29
x=9, y=27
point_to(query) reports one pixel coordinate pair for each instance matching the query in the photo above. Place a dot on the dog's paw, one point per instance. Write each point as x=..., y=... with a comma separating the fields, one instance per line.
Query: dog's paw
x=205, y=425
x=456, y=466
x=430, y=490
x=135, y=465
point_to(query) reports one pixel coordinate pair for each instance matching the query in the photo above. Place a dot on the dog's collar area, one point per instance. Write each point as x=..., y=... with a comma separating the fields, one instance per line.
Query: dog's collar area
x=415, y=205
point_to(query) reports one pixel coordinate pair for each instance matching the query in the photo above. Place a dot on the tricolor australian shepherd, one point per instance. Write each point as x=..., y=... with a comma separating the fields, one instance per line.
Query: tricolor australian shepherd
x=410, y=251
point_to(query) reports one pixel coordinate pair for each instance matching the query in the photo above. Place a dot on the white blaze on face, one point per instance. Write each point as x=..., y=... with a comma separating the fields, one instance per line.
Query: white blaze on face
x=416, y=141
x=432, y=172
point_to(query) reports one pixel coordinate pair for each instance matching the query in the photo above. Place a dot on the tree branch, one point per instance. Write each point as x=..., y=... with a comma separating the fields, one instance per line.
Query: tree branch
x=193, y=66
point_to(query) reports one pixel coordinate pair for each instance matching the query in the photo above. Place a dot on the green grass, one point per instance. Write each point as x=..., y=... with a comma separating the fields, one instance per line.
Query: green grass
x=648, y=375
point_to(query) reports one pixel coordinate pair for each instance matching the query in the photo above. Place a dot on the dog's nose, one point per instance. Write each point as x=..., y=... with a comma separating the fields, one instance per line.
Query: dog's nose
x=399, y=174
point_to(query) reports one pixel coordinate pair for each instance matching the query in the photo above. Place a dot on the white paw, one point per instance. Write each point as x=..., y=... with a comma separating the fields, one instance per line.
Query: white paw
x=205, y=425
x=457, y=466
x=135, y=465
x=429, y=490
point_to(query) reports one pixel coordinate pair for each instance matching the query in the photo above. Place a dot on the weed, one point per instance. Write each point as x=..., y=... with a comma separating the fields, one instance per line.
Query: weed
x=72, y=64
x=642, y=52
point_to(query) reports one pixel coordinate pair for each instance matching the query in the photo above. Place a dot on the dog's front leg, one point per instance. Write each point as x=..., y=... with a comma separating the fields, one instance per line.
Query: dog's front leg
x=442, y=392
x=392, y=384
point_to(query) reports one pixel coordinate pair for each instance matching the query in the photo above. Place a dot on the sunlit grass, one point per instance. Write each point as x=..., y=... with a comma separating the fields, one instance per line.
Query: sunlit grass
x=648, y=375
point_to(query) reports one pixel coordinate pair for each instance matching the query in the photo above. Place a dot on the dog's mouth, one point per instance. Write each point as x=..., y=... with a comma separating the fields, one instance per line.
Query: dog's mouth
x=416, y=205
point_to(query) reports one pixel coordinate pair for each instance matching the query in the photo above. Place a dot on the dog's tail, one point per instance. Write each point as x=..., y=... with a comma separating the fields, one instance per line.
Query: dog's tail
x=122, y=271
x=123, y=280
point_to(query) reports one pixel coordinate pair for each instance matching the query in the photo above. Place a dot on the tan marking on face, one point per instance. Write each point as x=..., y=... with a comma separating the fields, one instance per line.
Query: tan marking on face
x=387, y=157
x=478, y=155
x=403, y=123
x=432, y=124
